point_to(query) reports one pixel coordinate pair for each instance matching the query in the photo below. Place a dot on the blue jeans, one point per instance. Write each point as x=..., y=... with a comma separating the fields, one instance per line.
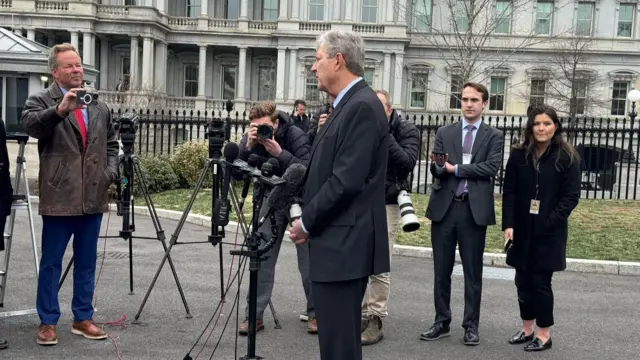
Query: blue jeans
x=56, y=233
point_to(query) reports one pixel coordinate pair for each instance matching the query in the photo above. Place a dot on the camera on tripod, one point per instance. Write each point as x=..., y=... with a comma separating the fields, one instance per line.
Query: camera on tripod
x=127, y=125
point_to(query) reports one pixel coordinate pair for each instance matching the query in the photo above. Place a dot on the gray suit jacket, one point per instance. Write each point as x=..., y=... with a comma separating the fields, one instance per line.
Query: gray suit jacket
x=487, y=153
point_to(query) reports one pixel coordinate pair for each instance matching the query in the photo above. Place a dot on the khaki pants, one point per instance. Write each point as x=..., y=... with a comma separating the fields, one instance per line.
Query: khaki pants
x=377, y=294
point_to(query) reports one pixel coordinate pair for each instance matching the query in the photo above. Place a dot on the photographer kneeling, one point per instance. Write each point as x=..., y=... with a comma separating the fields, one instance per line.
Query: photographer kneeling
x=404, y=144
x=289, y=145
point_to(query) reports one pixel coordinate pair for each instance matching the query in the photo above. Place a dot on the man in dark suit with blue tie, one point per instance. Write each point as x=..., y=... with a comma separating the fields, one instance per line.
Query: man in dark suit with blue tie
x=344, y=216
x=466, y=157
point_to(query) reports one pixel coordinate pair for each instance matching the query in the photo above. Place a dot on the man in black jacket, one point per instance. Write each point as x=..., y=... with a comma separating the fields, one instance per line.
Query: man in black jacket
x=299, y=117
x=404, y=145
x=289, y=145
x=6, y=193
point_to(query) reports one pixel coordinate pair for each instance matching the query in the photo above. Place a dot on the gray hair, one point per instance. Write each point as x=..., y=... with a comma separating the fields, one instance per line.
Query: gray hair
x=386, y=95
x=57, y=49
x=349, y=44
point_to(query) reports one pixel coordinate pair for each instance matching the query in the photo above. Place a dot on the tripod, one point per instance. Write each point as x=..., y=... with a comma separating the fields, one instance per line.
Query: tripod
x=130, y=164
x=216, y=135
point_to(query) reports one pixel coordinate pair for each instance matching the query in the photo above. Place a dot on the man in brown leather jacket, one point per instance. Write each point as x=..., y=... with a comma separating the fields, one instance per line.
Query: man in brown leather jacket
x=78, y=161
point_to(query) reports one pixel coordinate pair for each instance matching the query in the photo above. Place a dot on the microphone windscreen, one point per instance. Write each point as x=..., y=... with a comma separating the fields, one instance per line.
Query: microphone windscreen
x=231, y=152
x=253, y=160
x=281, y=196
x=274, y=162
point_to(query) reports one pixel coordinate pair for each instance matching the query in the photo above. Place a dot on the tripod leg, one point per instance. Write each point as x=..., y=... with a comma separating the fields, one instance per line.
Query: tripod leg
x=175, y=235
x=275, y=316
x=159, y=231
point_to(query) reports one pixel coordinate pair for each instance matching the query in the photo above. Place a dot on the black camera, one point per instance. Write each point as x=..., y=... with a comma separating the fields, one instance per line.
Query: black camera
x=127, y=123
x=265, y=131
x=83, y=97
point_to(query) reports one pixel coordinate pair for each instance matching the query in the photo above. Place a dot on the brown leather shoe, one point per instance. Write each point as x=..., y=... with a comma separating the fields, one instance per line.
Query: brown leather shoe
x=88, y=329
x=312, y=326
x=47, y=335
x=244, y=327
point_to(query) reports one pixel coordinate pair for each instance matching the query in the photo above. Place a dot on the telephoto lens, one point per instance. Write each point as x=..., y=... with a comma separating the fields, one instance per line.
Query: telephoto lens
x=409, y=219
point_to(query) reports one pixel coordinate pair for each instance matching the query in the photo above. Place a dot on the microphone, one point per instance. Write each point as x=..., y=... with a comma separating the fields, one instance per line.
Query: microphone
x=283, y=196
x=251, y=162
x=230, y=153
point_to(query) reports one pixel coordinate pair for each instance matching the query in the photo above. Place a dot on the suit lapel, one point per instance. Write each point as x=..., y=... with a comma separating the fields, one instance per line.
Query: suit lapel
x=480, y=138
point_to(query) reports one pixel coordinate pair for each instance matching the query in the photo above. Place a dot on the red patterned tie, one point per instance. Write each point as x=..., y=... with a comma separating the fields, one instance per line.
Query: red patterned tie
x=81, y=126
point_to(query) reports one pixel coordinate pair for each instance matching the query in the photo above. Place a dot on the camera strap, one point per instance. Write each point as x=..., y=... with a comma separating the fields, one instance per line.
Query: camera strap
x=83, y=129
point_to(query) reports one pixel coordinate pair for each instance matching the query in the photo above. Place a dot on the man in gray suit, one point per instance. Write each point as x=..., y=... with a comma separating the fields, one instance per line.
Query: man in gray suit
x=465, y=158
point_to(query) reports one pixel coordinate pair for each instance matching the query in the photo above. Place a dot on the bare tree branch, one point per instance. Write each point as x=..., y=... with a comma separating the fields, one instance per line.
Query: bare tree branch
x=474, y=38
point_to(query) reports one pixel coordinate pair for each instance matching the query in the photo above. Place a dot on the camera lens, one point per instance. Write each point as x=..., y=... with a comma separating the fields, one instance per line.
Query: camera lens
x=87, y=98
x=265, y=131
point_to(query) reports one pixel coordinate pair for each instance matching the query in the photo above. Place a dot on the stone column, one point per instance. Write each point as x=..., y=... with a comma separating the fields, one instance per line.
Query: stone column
x=397, y=87
x=348, y=14
x=133, y=64
x=242, y=69
x=160, y=81
x=104, y=64
x=295, y=10
x=86, y=48
x=147, y=63
x=293, y=74
x=389, y=10
x=402, y=4
x=244, y=6
x=386, y=76
x=202, y=67
x=31, y=34
x=18, y=31
x=282, y=52
x=75, y=41
x=284, y=10
x=204, y=8
x=162, y=6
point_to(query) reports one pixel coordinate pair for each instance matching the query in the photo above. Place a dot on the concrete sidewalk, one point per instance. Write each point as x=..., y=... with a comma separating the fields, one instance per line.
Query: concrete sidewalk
x=595, y=313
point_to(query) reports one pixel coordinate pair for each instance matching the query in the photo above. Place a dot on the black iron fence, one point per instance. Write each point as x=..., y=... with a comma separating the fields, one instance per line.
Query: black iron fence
x=609, y=148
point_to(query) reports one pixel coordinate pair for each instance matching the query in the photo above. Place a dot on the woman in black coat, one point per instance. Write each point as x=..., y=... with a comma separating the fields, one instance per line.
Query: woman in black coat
x=541, y=189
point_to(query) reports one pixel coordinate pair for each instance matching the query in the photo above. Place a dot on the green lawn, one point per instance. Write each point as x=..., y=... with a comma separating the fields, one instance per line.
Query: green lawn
x=598, y=229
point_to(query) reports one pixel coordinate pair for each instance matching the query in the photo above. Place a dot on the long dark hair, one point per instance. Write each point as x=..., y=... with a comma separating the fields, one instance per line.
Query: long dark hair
x=529, y=141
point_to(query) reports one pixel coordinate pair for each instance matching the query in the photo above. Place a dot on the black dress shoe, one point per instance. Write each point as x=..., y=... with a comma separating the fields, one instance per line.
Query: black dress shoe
x=538, y=345
x=520, y=338
x=3, y=344
x=471, y=337
x=435, y=332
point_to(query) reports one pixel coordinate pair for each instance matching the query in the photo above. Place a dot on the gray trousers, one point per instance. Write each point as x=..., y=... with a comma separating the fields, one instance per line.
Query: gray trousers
x=266, y=274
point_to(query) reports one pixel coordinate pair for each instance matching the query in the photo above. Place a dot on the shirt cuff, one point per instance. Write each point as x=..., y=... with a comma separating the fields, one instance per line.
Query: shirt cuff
x=303, y=228
x=456, y=170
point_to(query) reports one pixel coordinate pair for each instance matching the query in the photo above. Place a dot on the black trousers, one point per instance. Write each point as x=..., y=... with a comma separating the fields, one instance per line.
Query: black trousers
x=458, y=226
x=535, y=297
x=338, y=307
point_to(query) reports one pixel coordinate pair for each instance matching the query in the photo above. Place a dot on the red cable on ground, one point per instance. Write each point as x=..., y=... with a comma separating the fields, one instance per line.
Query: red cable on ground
x=222, y=300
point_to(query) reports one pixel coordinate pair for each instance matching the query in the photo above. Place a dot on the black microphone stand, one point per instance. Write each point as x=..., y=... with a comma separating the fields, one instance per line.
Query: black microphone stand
x=254, y=252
